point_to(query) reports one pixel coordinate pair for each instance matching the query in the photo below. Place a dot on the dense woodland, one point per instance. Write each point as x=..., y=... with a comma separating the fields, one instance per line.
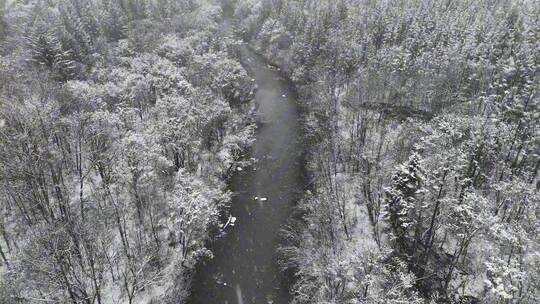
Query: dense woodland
x=120, y=121
x=422, y=125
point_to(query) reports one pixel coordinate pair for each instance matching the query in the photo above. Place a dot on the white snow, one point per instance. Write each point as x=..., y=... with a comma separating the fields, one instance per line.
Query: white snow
x=230, y=222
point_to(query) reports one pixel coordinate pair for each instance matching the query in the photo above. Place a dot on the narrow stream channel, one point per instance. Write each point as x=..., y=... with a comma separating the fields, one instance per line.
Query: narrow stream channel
x=244, y=268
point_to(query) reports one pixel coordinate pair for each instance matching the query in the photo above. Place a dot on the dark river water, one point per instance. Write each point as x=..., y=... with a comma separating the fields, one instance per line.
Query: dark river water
x=244, y=268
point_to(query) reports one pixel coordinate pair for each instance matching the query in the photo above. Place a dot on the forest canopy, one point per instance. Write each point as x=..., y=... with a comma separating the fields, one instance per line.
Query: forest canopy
x=120, y=121
x=422, y=120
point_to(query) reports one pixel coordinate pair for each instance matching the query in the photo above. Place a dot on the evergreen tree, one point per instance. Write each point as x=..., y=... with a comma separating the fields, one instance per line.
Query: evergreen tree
x=46, y=50
x=401, y=201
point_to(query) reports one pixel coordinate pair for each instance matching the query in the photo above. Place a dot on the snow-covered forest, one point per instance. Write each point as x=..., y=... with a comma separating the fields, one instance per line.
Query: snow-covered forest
x=123, y=122
x=120, y=121
x=422, y=125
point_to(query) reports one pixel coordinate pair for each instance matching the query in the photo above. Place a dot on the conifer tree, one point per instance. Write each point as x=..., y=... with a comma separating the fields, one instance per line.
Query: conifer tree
x=401, y=200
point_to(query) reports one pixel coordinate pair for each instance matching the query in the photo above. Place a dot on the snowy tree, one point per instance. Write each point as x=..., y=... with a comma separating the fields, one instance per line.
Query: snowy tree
x=403, y=200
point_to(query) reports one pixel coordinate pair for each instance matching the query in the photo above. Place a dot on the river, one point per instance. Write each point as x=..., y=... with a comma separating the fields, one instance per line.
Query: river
x=244, y=268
